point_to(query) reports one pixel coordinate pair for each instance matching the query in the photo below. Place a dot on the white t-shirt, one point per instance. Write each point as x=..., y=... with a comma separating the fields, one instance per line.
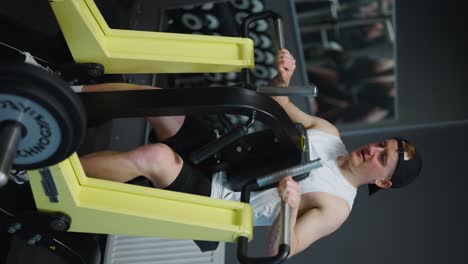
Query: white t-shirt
x=328, y=179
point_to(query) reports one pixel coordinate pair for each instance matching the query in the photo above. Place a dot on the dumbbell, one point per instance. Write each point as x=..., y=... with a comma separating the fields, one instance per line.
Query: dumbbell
x=192, y=21
x=42, y=121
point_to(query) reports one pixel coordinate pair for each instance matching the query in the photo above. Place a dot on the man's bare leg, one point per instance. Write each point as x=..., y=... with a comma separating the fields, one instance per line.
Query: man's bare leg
x=157, y=162
x=165, y=127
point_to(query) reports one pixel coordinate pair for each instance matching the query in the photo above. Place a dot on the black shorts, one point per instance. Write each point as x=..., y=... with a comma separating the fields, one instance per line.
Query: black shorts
x=192, y=180
x=193, y=134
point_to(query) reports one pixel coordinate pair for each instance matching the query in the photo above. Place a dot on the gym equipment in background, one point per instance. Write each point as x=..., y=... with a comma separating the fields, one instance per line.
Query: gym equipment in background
x=202, y=19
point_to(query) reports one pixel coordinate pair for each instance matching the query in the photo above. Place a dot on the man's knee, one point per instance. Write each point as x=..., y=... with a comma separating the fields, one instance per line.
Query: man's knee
x=156, y=159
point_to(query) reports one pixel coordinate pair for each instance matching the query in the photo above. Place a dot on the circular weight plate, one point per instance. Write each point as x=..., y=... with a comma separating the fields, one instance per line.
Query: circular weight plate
x=273, y=72
x=260, y=83
x=207, y=6
x=47, y=94
x=213, y=22
x=259, y=56
x=191, y=21
x=188, y=7
x=239, y=17
x=43, y=133
x=269, y=58
x=261, y=26
x=214, y=77
x=69, y=99
x=257, y=6
x=240, y=4
x=57, y=89
x=266, y=41
x=254, y=38
x=231, y=76
x=260, y=72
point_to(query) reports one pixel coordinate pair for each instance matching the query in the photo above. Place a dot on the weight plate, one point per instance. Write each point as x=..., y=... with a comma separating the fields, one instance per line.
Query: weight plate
x=265, y=41
x=257, y=6
x=261, y=26
x=60, y=90
x=261, y=72
x=188, y=7
x=231, y=76
x=254, y=38
x=43, y=135
x=212, y=21
x=239, y=17
x=192, y=21
x=261, y=83
x=269, y=58
x=214, y=77
x=259, y=56
x=273, y=72
x=69, y=99
x=240, y=4
x=207, y=6
x=51, y=113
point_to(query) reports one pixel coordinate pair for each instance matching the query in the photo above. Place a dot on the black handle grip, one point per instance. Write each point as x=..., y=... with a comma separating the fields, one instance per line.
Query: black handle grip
x=291, y=171
x=280, y=257
x=285, y=213
x=277, y=21
x=279, y=34
x=215, y=145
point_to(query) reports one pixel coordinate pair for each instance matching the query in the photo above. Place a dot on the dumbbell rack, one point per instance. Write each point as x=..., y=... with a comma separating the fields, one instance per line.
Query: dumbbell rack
x=224, y=19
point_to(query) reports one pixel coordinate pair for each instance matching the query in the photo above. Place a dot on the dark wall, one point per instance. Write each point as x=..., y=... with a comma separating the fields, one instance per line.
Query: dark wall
x=432, y=61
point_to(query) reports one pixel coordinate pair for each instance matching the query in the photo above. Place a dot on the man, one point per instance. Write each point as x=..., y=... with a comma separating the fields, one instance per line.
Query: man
x=320, y=203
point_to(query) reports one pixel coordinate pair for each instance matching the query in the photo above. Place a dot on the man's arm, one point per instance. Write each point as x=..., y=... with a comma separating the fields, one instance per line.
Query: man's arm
x=313, y=225
x=286, y=64
x=326, y=213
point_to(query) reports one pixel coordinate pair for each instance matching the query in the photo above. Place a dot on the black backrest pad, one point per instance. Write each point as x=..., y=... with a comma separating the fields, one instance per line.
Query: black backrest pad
x=267, y=155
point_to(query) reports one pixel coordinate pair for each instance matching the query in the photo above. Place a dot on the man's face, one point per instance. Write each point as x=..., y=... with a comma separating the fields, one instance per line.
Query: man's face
x=376, y=161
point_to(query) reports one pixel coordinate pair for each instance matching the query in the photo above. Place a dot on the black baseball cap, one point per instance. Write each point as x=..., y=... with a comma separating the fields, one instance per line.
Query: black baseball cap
x=406, y=170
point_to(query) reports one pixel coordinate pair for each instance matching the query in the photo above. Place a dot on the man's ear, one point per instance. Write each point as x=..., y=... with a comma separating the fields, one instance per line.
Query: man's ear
x=384, y=184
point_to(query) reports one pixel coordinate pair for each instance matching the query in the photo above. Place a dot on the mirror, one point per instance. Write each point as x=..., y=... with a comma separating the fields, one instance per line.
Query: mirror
x=349, y=48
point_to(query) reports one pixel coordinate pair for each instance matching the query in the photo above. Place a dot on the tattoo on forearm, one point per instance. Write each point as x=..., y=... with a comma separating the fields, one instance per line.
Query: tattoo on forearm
x=273, y=238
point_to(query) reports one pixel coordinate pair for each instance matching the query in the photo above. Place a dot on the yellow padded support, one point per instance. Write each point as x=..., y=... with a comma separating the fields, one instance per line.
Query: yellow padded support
x=98, y=206
x=90, y=39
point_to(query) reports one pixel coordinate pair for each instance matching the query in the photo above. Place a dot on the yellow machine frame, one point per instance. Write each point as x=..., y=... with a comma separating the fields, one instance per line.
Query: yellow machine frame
x=90, y=39
x=99, y=206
